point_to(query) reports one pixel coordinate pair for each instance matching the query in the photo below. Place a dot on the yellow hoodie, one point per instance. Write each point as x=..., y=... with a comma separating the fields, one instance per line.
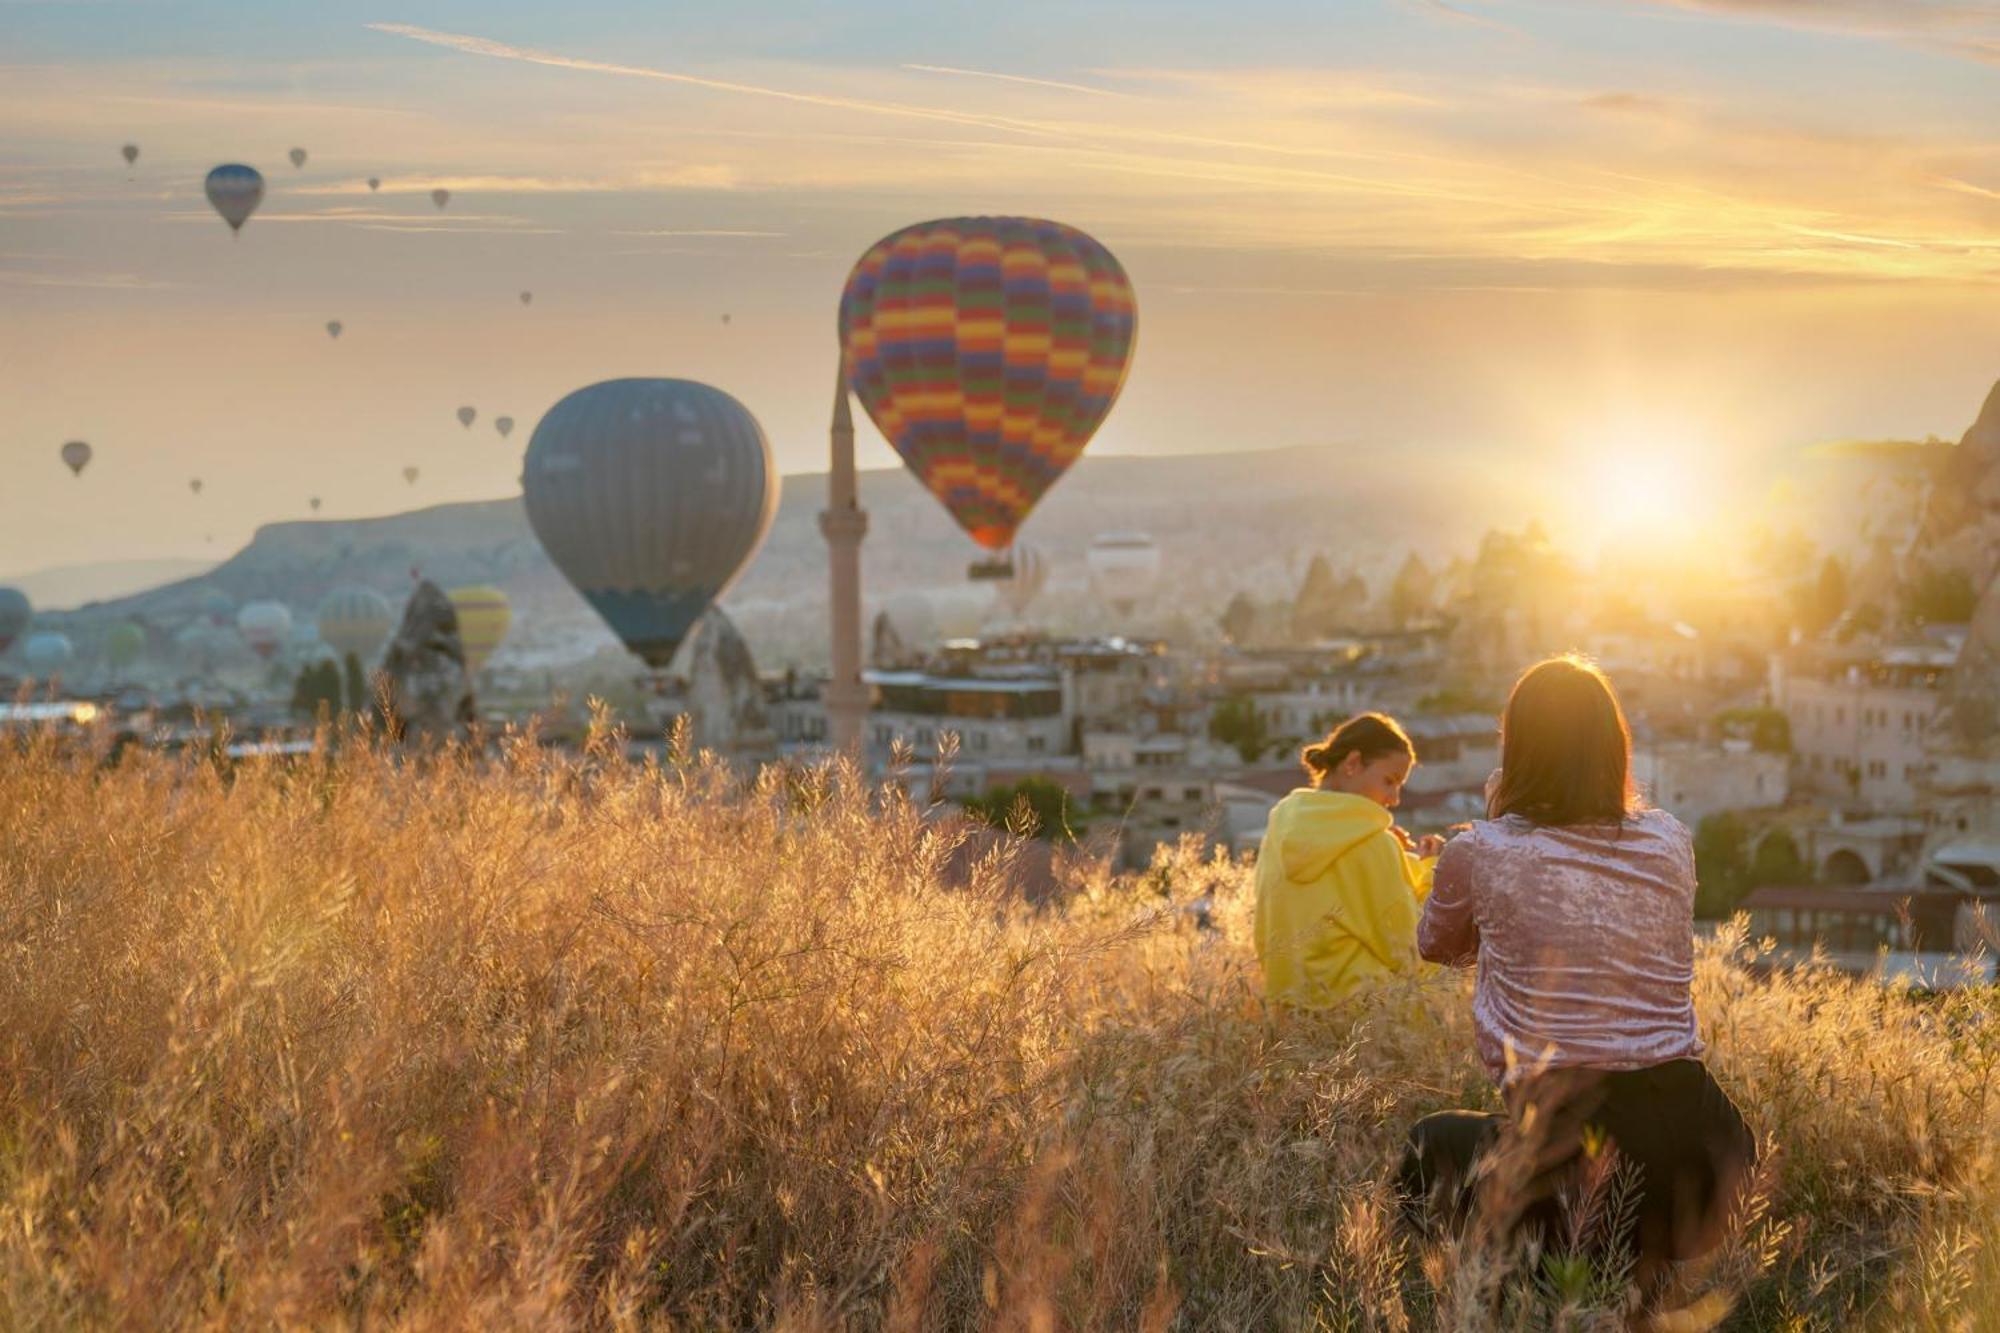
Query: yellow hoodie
x=1337, y=897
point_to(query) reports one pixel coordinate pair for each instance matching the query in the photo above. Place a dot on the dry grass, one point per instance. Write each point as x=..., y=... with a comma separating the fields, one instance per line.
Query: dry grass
x=547, y=1041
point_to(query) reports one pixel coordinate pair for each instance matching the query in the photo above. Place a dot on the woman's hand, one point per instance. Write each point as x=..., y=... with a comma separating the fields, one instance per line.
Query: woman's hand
x=1429, y=845
x=1403, y=836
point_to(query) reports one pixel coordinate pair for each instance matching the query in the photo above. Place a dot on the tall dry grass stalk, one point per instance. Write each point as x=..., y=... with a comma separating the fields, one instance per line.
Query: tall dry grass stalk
x=535, y=1040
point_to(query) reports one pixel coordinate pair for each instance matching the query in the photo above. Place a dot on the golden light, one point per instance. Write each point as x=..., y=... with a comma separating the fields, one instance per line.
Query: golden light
x=1644, y=494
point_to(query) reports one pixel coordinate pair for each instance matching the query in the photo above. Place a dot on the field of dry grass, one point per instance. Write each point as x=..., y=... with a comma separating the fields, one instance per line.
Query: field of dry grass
x=544, y=1041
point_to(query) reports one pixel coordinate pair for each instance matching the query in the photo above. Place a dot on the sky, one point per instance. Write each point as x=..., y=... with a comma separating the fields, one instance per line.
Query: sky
x=1533, y=248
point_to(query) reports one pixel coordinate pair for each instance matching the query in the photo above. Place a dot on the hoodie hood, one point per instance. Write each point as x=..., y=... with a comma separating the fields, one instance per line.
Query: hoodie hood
x=1313, y=829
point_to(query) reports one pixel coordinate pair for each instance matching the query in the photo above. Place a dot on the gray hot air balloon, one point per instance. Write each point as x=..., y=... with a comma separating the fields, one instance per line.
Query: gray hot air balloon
x=374, y=182
x=410, y=474
x=235, y=191
x=131, y=152
x=356, y=620
x=264, y=626
x=314, y=502
x=650, y=495
x=298, y=156
x=47, y=652
x=440, y=196
x=76, y=456
x=333, y=328
x=505, y=425
x=466, y=415
x=16, y=614
x=194, y=484
x=527, y=297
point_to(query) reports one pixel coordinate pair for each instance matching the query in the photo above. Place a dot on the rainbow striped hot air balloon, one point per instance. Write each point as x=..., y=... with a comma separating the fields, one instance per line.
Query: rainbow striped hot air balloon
x=988, y=351
x=483, y=617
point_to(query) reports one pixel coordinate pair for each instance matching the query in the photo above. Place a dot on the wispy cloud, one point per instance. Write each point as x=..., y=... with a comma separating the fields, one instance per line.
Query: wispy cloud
x=1966, y=28
x=700, y=176
x=703, y=232
x=1454, y=14
x=1015, y=78
x=118, y=282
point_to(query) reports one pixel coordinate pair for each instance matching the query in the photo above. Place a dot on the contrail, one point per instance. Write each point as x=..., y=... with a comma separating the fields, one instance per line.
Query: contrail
x=480, y=46
x=1016, y=78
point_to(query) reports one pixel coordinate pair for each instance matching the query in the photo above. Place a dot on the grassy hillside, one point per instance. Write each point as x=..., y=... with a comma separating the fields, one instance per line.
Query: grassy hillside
x=548, y=1041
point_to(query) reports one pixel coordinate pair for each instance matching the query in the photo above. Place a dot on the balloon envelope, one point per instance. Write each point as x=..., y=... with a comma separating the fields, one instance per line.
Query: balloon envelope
x=47, y=651
x=16, y=614
x=410, y=474
x=1124, y=567
x=333, y=328
x=466, y=415
x=483, y=617
x=314, y=502
x=218, y=606
x=527, y=297
x=988, y=351
x=234, y=191
x=650, y=495
x=374, y=182
x=194, y=484
x=505, y=425
x=125, y=644
x=440, y=196
x=131, y=152
x=298, y=156
x=76, y=456
x=1031, y=571
x=265, y=626
x=357, y=621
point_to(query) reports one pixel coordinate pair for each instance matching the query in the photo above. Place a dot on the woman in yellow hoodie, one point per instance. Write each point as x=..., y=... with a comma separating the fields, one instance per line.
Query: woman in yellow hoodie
x=1339, y=886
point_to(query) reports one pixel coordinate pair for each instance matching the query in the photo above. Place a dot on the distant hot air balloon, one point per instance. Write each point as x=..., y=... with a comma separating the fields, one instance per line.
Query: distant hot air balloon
x=1030, y=573
x=725, y=319
x=47, y=652
x=76, y=456
x=505, y=425
x=131, y=152
x=16, y=614
x=410, y=474
x=988, y=351
x=314, y=503
x=298, y=156
x=235, y=191
x=1124, y=567
x=526, y=297
x=333, y=328
x=265, y=626
x=357, y=621
x=483, y=617
x=374, y=182
x=218, y=606
x=124, y=644
x=466, y=415
x=650, y=495
x=440, y=196
x=194, y=484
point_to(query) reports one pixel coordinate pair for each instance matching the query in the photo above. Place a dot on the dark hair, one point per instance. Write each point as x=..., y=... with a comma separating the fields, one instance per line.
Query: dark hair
x=1565, y=751
x=1370, y=735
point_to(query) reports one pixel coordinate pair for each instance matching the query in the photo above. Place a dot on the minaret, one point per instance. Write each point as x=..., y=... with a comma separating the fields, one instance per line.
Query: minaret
x=845, y=523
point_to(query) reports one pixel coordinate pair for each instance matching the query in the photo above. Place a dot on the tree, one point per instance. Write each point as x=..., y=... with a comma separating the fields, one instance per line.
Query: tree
x=1237, y=722
x=1768, y=730
x=1941, y=597
x=317, y=686
x=1777, y=861
x=1721, y=864
x=358, y=694
x=1035, y=807
x=1239, y=619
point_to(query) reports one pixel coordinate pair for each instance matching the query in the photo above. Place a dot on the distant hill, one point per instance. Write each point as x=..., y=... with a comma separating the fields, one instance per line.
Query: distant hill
x=63, y=586
x=1224, y=521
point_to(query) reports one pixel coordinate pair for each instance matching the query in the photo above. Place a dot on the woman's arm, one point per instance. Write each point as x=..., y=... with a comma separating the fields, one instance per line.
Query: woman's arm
x=1449, y=929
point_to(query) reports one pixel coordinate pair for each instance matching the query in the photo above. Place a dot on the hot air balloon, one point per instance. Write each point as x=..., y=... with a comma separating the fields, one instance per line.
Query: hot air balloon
x=333, y=328
x=526, y=297
x=1124, y=566
x=76, y=455
x=194, y=484
x=131, y=152
x=650, y=495
x=314, y=503
x=410, y=474
x=218, y=606
x=16, y=614
x=1029, y=571
x=47, y=652
x=265, y=626
x=505, y=425
x=440, y=196
x=374, y=182
x=988, y=351
x=124, y=644
x=234, y=191
x=466, y=415
x=357, y=621
x=298, y=156
x=483, y=617
x=725, y=319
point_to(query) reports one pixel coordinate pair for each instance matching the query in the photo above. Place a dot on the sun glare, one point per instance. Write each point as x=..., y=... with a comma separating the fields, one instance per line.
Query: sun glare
x=1643, y=493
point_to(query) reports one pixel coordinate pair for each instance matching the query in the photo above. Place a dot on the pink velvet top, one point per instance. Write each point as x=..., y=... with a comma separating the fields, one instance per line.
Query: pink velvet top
x=1584, y=937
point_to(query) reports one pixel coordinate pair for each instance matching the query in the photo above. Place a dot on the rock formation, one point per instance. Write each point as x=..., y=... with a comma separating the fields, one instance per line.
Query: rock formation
x=422, y=685
x=1961, y=522
x=726, y=706
x=886, y=649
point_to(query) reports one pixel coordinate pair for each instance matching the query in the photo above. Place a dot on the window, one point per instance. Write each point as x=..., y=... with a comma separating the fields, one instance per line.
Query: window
x=1036, y=744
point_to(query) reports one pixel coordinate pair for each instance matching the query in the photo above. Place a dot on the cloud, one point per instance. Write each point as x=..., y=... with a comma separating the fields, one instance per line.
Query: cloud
x=1452, y=13
x=701, y=176
x=119, y=282
x=1969, y=29
x=1015, y=78
x=703, y=232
